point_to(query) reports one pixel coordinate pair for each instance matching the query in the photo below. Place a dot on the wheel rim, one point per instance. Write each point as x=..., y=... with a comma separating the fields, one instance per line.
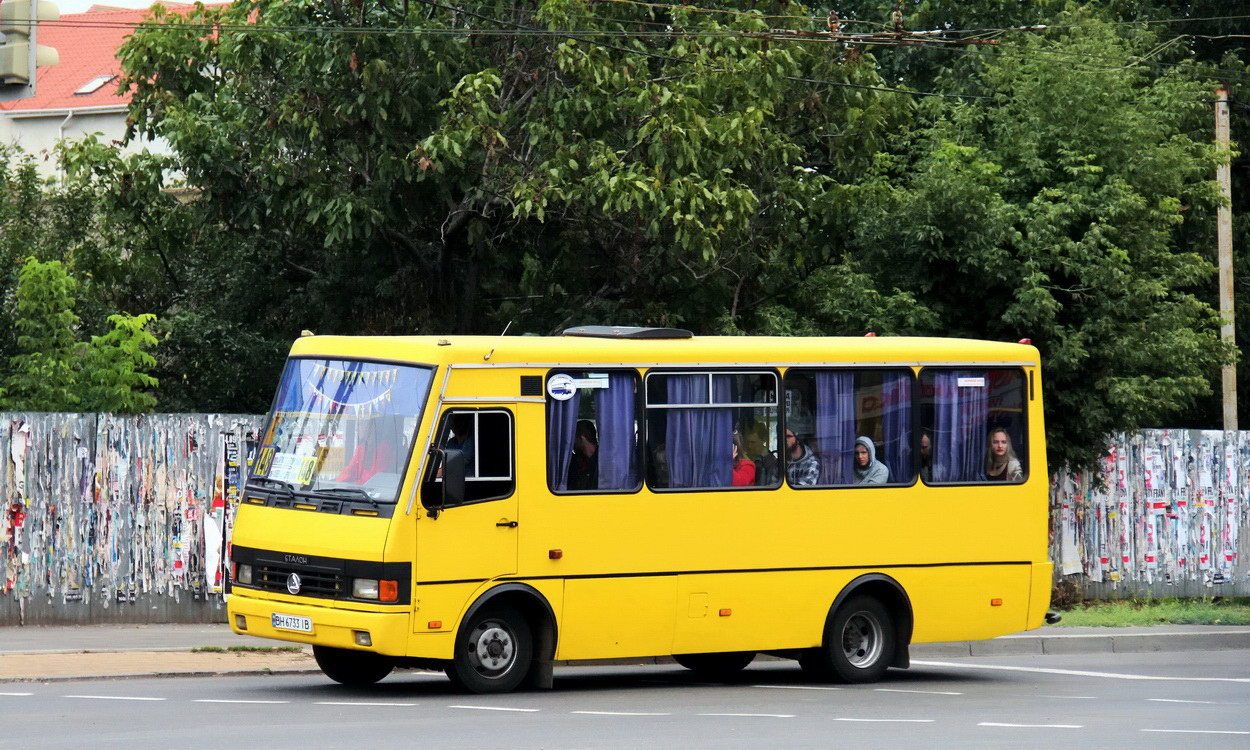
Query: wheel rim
x=862, y=639
x=492, y=649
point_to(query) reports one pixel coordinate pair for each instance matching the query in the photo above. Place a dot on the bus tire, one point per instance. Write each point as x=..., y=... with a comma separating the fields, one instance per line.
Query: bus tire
x=859, y=643
x=494, y=651
x=716, y=666
x=354, y=668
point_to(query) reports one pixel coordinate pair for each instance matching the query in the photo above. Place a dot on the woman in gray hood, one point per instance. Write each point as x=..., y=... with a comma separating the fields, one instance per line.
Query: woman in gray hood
x=868, y=470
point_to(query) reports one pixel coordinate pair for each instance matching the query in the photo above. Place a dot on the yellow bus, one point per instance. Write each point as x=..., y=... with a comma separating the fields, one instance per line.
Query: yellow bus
x=491, y=506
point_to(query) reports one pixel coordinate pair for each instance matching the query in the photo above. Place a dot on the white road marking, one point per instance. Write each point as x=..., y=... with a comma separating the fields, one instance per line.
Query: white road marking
x=1079, y=673
x=892, y=721
x=766, y=716
x=359, y=703
x=1073, y=697
x=231, y=700
x=1030, y=726
x=795, y=687
x=498, y=708
x=1196, y=731
x=926, y=692
x=619, y=713
x=16, y=693
x=115, y=697
x=1178, y=700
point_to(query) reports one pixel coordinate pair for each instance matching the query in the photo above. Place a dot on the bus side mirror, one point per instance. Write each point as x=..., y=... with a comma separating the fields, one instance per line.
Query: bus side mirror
x=453, y=477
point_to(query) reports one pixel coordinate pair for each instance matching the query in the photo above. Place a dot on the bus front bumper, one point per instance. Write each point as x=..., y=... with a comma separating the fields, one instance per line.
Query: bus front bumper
x=387, y=632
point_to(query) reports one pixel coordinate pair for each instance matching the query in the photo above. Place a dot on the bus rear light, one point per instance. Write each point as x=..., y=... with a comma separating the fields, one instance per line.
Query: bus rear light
x=362, y=638
x=388, y=591
x=996, y=602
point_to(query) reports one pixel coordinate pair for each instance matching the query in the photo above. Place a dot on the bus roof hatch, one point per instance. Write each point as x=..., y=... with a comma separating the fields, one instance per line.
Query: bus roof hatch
x=627, y=332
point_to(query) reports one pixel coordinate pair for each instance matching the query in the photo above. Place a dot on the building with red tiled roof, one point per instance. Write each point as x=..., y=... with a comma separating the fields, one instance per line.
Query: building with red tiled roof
x=77, y=96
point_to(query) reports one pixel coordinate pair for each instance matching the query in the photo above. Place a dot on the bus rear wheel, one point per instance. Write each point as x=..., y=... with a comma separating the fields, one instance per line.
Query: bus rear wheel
x=716, y=666
x=494, y=651
x=859, y=643
x=355, y=668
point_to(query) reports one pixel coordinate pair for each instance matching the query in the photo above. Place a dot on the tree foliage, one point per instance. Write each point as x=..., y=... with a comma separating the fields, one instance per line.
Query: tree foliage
x=52, y=370
x=393, y=168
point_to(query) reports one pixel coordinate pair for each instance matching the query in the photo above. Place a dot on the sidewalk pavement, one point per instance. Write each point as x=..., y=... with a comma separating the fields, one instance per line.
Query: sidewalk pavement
x=36, y=654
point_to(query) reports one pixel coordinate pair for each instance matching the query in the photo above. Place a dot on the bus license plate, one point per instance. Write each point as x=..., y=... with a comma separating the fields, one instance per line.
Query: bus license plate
x=292, y=622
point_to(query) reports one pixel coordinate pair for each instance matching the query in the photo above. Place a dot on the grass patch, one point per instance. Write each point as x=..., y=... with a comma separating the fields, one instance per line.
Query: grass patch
x=247, y=650
x=1130, y=612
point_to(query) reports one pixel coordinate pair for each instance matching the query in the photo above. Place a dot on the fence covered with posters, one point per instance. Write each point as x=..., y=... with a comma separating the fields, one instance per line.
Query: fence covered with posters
x=1164, y=516
x=111, y=518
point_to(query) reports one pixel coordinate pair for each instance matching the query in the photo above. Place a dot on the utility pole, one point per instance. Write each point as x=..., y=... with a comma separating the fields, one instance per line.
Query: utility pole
x=1224, y=233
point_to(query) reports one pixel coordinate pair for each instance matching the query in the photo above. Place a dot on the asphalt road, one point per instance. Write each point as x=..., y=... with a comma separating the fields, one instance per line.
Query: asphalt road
x=1139, y=701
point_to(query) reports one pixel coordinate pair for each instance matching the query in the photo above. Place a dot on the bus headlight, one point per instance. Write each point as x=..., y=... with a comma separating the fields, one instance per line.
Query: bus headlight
x=243, y=574
x=364, y=588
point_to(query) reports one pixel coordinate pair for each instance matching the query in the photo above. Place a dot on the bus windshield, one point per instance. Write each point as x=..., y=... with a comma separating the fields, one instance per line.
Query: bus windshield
x=343, y=427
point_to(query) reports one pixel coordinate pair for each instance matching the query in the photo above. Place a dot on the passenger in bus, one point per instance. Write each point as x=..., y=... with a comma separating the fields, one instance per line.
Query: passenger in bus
x=461, y=439
x=802, y=468
x=926, y=456
x=868, y=470
x=584, y=466
x=744, y=468
x=1001, y=464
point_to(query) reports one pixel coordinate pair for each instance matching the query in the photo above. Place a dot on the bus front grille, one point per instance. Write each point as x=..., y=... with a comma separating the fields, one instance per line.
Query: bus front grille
x=312, y=582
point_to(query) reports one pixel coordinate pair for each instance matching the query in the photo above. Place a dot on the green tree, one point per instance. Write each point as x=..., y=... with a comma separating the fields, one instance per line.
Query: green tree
x=1052, y=213
x=54, y=371
x=113, y=376
x=43, y=375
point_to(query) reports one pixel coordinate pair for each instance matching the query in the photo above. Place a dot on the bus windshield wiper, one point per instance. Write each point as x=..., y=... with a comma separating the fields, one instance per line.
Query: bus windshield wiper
x=353, y=491
x=277, y=483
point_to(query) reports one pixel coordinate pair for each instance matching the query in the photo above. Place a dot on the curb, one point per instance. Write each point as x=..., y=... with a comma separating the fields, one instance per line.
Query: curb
x=159, y=675
x=1128, y=643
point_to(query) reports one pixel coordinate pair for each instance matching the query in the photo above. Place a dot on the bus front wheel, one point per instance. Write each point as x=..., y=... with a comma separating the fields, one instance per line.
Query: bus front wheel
x=716, y=666
x=494, y=651
x=355, y=668
x=859, y=643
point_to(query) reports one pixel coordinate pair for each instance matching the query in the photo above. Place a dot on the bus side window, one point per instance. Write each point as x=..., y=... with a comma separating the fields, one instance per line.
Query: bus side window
x=592, y=432
x=484, y=436
x=852, y=427
x=974, y=420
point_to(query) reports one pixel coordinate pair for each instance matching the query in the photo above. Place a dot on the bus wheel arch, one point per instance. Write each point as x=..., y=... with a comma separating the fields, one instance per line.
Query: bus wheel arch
x=540, y=618
x=883, y=605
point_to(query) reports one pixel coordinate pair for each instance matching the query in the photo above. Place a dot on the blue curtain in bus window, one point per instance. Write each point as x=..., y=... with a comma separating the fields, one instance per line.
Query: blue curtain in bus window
x=561, y=428
x=699, y=442
x=614, y=406
x=896, y=421
x=835, y=427
x=960, y=408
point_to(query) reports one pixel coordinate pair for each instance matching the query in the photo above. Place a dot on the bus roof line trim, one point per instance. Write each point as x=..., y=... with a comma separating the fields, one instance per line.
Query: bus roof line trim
x=494, y=399
x=627, y=332
x=722, y=365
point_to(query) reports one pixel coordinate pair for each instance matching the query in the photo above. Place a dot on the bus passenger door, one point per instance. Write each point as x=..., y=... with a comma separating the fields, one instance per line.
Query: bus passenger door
x=475, y=540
